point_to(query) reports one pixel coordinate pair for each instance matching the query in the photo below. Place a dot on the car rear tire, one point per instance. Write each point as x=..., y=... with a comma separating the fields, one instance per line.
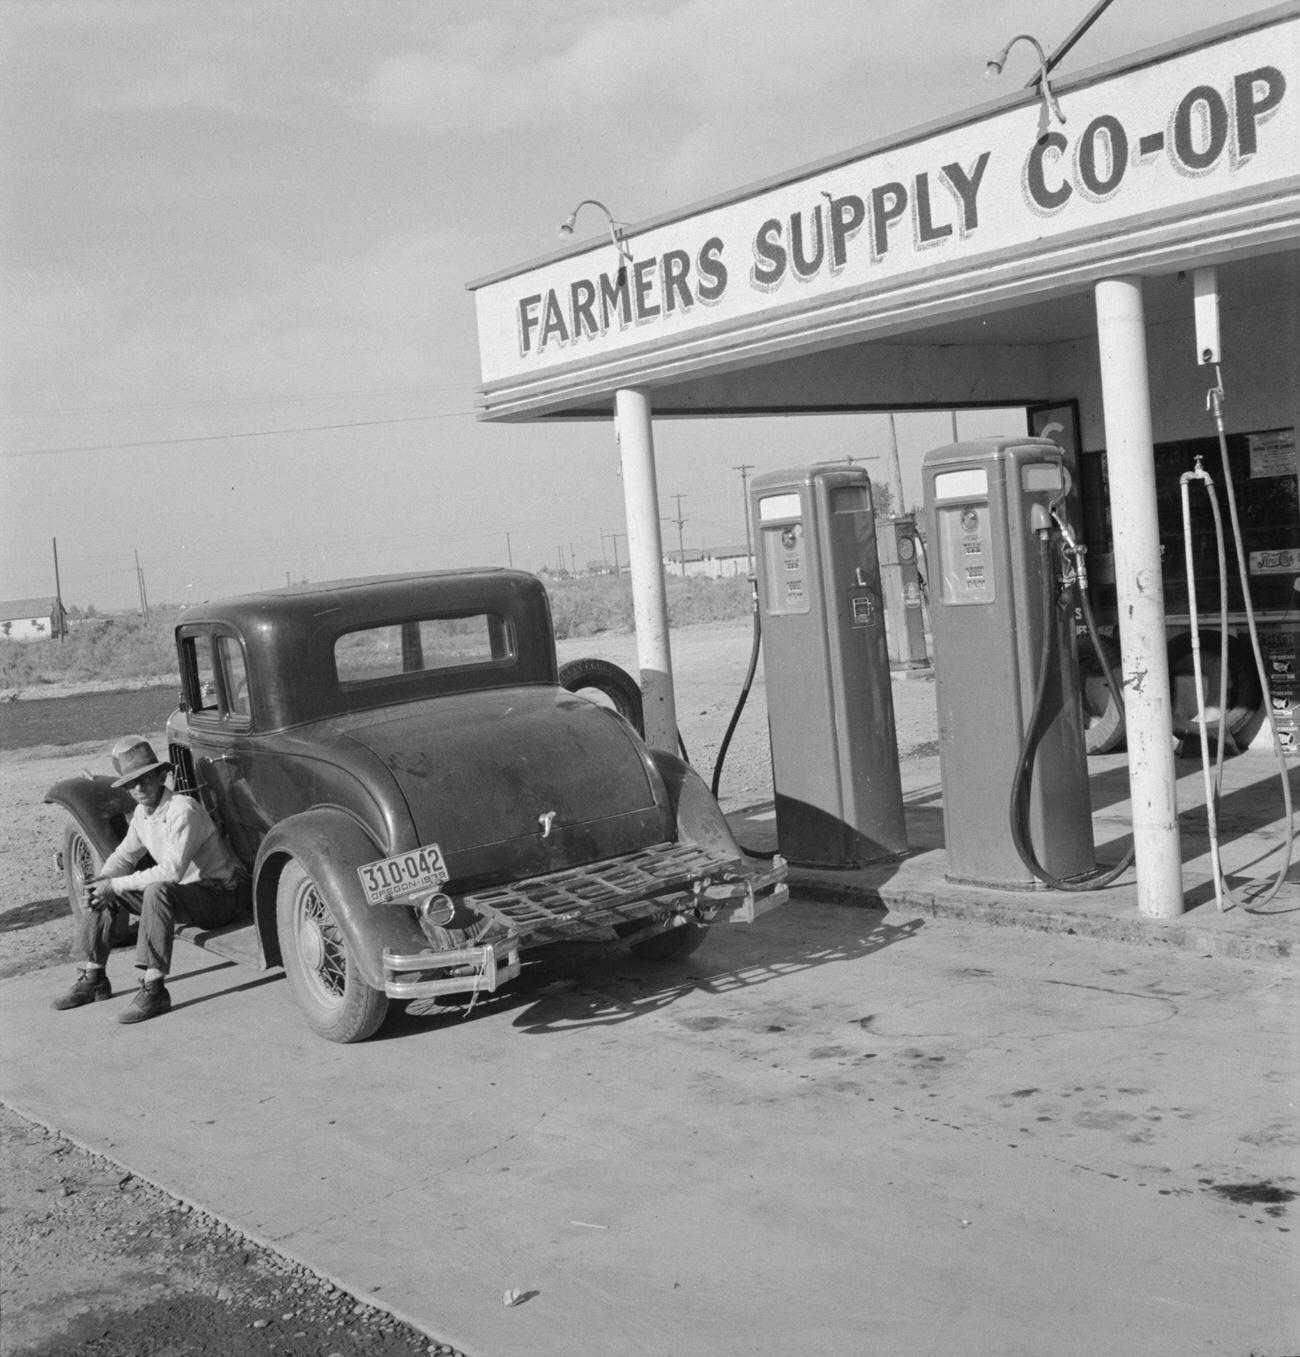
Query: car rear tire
x=81, y=863
x=674, y=945
x=616, y=684
x=323, y=977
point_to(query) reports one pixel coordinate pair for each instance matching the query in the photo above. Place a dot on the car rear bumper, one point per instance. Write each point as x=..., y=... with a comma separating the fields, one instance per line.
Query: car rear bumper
x=641, y=893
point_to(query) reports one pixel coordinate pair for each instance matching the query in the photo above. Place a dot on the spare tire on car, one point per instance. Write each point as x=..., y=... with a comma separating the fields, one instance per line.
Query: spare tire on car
x=616, y=685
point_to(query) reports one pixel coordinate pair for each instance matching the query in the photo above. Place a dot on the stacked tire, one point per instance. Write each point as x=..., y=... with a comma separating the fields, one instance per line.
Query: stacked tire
x=1103, y=712
x=1245, y=696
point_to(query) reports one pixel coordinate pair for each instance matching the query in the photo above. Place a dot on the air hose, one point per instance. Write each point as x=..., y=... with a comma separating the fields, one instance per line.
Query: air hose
x=1211, y=784
x=740, y=707
x=1022, y=781
x=1213, y=788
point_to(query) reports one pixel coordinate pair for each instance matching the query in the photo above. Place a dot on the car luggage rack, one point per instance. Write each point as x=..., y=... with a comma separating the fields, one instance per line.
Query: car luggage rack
x=573, y=902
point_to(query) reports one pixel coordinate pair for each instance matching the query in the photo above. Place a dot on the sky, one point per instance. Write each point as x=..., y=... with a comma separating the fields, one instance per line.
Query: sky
x=236, y=345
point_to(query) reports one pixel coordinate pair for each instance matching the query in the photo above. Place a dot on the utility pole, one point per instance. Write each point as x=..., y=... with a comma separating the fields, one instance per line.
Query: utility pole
x=139, y=579
x=559, y=557
x=573, y=560
x=745, y=468
x=613, y=537
x=895, y=470
x=510, y=559
x=58, y=593
x=680, y=521
x=955, y=439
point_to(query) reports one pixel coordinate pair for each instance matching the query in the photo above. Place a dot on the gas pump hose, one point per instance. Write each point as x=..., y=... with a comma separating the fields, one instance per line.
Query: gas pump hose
x=740, y=707
x=1023, y=779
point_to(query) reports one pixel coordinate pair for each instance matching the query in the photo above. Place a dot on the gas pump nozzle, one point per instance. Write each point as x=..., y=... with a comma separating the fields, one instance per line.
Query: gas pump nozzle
x=1073, y=546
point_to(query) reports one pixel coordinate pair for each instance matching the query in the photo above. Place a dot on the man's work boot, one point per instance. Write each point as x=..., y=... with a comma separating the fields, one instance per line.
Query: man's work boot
x=151, y=1002
x=89, y=987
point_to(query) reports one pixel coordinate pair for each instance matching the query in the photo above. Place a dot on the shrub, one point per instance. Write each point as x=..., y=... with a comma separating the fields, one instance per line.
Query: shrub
x=126, y=648
x=589, y=604
x=114, y=649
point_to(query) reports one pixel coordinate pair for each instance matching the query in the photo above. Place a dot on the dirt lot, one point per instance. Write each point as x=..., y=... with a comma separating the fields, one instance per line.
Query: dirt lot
x=92, y=1260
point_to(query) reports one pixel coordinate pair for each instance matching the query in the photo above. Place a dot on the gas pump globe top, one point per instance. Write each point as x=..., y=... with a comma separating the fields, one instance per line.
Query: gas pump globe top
x=996, y=599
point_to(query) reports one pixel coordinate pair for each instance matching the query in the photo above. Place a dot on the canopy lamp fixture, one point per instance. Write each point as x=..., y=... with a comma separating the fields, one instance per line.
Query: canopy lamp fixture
x=615, y=234
x=1050, y=108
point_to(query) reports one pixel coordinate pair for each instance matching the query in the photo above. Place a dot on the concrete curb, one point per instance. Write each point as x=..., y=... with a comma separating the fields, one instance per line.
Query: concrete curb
x=1193, y=932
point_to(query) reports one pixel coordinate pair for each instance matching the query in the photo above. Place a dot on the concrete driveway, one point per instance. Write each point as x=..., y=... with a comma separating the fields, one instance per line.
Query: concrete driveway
x=836, y=1132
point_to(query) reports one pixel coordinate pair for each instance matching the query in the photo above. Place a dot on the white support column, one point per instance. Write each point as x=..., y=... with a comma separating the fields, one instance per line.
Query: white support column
x=645, y=555
x=1130, y=455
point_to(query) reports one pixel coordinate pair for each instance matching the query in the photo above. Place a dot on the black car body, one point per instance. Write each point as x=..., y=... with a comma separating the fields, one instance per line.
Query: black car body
x=418, y=799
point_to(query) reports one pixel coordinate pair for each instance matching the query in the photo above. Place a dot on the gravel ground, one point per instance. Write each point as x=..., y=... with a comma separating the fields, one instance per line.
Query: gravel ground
x=97, y=1263
x=100, y=1264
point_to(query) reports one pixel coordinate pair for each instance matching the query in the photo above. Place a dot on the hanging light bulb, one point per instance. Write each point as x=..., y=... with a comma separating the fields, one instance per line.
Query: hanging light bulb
x=1050, y=107
x=615, y=235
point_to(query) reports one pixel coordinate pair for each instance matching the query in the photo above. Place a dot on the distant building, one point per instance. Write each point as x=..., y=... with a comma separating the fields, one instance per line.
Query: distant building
x=715, y=563
x=33, y=619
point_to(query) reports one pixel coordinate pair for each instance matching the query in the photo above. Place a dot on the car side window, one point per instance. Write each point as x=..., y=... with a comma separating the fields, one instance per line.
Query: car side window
x=202, y=676
x=234, y=673
x=216, y=678
x=421, y=645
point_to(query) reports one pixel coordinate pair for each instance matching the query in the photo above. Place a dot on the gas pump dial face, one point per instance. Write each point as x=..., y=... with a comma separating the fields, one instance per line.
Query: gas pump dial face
x=906, y=548
x=965, y=565
x=790, y=537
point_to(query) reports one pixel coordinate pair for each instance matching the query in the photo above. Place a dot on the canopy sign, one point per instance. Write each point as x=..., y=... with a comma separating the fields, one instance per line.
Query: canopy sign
x=1144, y=153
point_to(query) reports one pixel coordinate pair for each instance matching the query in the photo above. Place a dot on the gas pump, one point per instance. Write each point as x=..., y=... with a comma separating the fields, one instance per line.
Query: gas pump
x=838, y=791
x=1005, y=667
x=901, y=579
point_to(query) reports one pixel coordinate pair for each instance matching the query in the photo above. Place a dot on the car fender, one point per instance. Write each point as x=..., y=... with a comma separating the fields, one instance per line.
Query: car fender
x=699, y=817
x=100, y=809
x=331, y=844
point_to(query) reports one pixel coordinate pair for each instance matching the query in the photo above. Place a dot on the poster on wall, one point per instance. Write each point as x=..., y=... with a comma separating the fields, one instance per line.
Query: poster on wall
x=1281, y=652
x=1059, y=421
x=1272, y=453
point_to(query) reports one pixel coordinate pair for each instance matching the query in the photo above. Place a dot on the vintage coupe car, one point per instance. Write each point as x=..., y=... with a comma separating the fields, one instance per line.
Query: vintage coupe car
x=419, y=800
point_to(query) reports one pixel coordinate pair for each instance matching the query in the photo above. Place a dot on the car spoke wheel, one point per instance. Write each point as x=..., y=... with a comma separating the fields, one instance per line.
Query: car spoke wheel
x=81, y=864
x=336, y=1002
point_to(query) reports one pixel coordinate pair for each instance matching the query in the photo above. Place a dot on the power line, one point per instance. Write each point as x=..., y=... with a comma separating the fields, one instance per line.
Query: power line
x=223, y=437
x=231, y=400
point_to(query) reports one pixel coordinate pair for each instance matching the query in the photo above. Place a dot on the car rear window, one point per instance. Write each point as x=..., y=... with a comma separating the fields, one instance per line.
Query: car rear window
x=421, y=645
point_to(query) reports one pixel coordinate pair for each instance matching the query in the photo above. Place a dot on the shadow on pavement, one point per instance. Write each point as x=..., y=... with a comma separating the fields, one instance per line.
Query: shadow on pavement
x=33, y=913
x=569, y=991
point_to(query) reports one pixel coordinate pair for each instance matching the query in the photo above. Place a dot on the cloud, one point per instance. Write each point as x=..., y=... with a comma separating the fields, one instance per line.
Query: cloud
x=705, y=54
x=393, y=315
x=684, y=99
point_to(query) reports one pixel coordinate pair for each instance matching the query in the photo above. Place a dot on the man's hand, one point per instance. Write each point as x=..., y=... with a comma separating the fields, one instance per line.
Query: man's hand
x=100, y=893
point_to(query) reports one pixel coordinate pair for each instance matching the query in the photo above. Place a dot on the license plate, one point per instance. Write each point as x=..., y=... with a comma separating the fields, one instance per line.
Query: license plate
x=403, y=874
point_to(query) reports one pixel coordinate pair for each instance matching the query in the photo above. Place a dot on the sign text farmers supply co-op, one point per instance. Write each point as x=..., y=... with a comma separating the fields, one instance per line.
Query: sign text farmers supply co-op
x=1209, y=128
